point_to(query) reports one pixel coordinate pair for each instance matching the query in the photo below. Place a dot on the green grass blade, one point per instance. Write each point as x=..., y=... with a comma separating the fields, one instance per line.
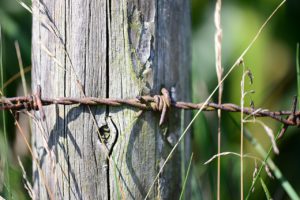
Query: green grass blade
x=211, y=95
x=117, y=182
x=182, y=146
x=7, y=178
x=261, y=167
x=284, y=183
x=264, y=186
x=276, y=171
x=186, y=177
x=298, y=73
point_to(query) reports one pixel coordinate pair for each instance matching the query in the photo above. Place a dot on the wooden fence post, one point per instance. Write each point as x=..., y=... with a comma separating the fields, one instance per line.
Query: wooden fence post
x=114, y=49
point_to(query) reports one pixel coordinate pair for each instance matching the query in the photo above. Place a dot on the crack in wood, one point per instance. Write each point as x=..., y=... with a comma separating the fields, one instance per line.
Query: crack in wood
x=108, y=20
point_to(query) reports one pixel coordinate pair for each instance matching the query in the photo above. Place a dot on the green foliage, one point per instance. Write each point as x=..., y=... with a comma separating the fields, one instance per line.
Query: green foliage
x=267, y=193
x=4, y=156
x=186, y=178
x=271, y=61
x=298, y=74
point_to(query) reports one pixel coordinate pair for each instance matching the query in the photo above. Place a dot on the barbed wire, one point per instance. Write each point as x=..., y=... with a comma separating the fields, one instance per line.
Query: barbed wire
x=158, y=103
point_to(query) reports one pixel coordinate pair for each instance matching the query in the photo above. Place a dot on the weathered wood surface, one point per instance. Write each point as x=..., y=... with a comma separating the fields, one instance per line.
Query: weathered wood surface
x=113, y=49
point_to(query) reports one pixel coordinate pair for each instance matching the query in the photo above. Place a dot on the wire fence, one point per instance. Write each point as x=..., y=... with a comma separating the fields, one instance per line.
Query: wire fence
x=157, y=103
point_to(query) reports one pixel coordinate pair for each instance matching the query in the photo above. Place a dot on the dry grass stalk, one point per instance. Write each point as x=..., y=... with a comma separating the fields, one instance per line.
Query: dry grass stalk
x=219, y=70
x=212, y=93
x=27, y=184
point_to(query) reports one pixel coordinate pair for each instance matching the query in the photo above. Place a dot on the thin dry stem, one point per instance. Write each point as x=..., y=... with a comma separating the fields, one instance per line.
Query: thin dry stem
x=21, y=67
x=219, y=70
x=233, y=153
x=207, y=100
x=35, y=160
x=269, y=133
x=28, y=8
x=212, y=93
x=15, y=77
x=27, y=184
x=55, y=31
x=242, y=130
x=51, y=55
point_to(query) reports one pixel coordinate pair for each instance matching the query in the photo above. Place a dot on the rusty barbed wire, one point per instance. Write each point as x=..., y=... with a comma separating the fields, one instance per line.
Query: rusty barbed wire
x=158, y=103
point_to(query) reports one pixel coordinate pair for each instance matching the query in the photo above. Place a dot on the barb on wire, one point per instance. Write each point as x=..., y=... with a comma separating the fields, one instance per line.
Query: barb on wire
x=291, y=117
x=158, y=103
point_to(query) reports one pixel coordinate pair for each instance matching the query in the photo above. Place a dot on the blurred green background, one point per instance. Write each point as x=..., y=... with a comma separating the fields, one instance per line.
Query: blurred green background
x=271, y=60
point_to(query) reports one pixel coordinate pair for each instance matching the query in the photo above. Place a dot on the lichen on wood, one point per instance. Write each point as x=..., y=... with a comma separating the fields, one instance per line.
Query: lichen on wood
x=115, y=49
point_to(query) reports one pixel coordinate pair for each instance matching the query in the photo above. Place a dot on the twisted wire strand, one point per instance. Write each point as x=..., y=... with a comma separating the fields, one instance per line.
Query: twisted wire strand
x=158, y=103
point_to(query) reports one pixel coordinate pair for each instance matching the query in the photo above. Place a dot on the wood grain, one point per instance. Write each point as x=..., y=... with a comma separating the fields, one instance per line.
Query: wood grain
x=116, y=49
